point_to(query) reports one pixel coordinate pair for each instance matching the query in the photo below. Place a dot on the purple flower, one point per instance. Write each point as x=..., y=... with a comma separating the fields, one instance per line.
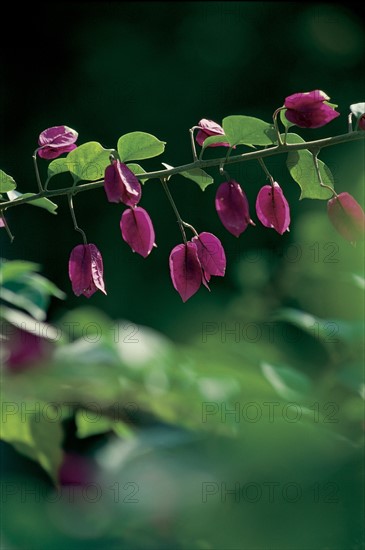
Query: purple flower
x=309, y=109
x=185, y=269
x=347, y=216
x=121, y=185
x=211, y=254
x=209, y=128
x=55, y=141
x=2, y=223
x=137, y=230
x=362, y=122
x=272, y=208
x=232, y=207
x=85, y=270
x=24, y=349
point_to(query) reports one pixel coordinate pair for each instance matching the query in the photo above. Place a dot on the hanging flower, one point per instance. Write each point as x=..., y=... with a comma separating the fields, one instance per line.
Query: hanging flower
x=185, y=269
x=272, y=208
x=137, y=230
x=55, y=141
x=121, y=185
x=85, y=270
x=309, y=109
x=347, y=217
x=232, y=207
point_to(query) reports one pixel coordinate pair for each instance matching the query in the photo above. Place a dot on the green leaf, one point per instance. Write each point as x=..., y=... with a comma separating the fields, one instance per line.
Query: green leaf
x=27, y=323
x=215, y=139
x=301, y=167
x=137, y=170
x=88, y=162
x=41, y=203
x=57, y=166
x=23, y=301
x=139, y=145
x=199, y=176
x=246, y=130
x=290, y=384
x=7, y=183
x=32, y=430
x=284, y=120
x=11, y=270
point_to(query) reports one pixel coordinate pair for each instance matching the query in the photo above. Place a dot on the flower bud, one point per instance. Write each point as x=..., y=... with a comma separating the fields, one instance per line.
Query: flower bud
x=309, y=109
x=121, y=185
x=55, y=141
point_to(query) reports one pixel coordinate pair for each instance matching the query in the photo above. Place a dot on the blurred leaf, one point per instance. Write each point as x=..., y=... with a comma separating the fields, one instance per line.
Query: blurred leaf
x=289, y=383
x=7, y=183
x=199, y=176
x=86, y=425
x=88, y=161
x=137, y=170
x=138, y=146
x=248, y=130
x=301, y=167
x=26, y=426
x=27, y=323
x=21, y=300
x=11, y=270
x=41, y=203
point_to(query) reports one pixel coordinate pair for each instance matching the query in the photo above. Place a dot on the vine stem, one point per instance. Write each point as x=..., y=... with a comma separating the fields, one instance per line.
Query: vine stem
x=37, y=175
x=269, y=176
x=174, y=207
x=164, y=174
x=316, y=166
x=7, y=228
x=72, y=211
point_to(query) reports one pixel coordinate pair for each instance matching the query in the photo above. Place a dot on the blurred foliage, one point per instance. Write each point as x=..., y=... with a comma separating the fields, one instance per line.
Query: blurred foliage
x=138, y=384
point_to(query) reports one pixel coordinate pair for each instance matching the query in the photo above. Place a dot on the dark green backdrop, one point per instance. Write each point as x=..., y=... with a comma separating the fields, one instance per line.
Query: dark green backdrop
x=113, y=67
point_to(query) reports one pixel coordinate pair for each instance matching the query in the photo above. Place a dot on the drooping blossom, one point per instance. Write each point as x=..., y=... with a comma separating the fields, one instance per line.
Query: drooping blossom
x=121, y=185
x=55, y=141
x=362, y=122
x=211, y=254
x=309, y=109
x=137, y=230
x=209, y=128
x=185, y=269
x=85, y=270
x=272, y=208
x=347, y=217
x=232, y=207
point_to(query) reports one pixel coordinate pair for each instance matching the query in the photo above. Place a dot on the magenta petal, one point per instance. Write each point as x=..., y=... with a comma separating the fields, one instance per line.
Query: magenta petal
x=209, y=128
x=121, y=185
x=309, y=109
x=305, y=99
x=58, y=135
x=85, y=270
x=211, y=254
x=79, y=268
x=313, y=117
x=55, y=141
x=97, y=268
x=51, y=152
x=272, y=208
x=232, y=207
x=185, y=270
x=362, y=122
x=137, y=230
x=347, y=216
